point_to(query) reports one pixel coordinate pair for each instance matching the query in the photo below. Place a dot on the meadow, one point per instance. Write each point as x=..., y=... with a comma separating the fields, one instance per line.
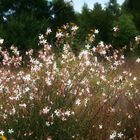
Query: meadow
x=94, y=95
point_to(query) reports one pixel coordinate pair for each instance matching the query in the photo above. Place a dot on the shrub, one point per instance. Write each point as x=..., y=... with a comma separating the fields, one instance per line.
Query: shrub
x=58, y=97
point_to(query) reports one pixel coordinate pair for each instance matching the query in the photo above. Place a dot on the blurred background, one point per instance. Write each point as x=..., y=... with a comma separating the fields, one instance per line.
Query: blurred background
x=21, y=21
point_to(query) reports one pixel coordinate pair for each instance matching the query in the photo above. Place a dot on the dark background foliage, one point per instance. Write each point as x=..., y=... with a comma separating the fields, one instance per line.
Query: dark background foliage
x=21, y=21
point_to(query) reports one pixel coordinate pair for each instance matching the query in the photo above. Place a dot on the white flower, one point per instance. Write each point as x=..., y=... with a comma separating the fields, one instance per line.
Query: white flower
x=1, y=132
x=49, y=138
x=10, y=131
x=67, y=113
x=27, y=77
x=46, y=110
x=119, y=124
x=57, y=112
x=94, y=49
x=113, y=135
x=98, y=82
x=48, y=124
x=120, y=135
x=78, y=102
x=103, y=52
x=96, y=31
x=1, y=41
x=138, y=60
x=100, y=126
x=87, y=46
x=27, y=89
x=48, y=81
x=129, y=116
x=137, y=38
x=13, y=111
x=101, y=43
x=115, y=29
x=95, y=59
x=23, y=105
x=59, y=35
x=48, y=31
x=135, y=79
x=64, y=119
x=41, y=36
x=74, y=28
x=130, y=74
x=86, y=101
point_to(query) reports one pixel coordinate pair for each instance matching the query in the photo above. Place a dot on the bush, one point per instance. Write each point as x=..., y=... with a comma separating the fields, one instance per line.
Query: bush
x=126, y=31
x=89, y=96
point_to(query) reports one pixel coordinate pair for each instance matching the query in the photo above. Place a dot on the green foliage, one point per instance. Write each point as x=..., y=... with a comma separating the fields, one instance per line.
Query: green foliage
x=63, y=13
x=102, y=21
x=39, y=8
x=113, y=7
x=22, y=21
x=25, y=20
x=127, y=31
x=133, y=7
x=97, y=18
x=84, y=20
x=21, y=31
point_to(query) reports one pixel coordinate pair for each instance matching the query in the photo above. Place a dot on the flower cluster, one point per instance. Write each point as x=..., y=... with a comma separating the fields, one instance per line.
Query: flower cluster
x=68, y=96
